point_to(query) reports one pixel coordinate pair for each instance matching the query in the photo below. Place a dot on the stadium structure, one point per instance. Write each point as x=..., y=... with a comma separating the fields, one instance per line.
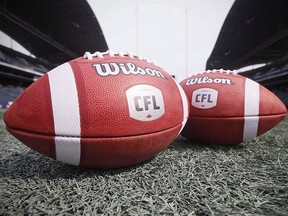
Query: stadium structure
x=255, y=33
x=52, y=31
x=187, y=178
x=56, y=31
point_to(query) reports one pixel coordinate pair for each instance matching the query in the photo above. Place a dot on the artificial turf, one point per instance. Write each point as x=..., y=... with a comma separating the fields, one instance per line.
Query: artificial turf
x=185, y=179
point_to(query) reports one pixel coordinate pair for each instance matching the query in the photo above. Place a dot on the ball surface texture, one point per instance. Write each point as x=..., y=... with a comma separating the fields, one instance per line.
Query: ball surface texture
x=227, y=108
x=102, y=110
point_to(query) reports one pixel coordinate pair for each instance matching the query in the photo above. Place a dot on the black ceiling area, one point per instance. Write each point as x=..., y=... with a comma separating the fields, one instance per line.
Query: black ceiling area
x=55, y=31
x=254, y=32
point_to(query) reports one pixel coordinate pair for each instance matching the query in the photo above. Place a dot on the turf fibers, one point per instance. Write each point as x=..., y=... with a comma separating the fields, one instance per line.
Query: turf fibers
x=185, y=179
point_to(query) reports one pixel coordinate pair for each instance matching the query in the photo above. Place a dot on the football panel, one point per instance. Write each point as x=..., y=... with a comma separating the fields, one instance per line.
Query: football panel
x=229, y=130
x=214, y=130
x=266, y=123
x=247, y=97
x=48, y=104
x=41, y=143
x=270, y=104
x=32, y=110
x=225, y=98
x=125, y=151
x=103, y=100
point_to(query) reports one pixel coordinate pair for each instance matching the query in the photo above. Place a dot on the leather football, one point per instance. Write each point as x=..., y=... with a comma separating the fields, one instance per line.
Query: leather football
x=102, y=110
x=227, y=108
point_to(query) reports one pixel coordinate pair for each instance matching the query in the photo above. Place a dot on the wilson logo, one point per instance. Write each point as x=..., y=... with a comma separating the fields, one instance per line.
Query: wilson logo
x=206, y=79
x=113, y=69
x=145, y=102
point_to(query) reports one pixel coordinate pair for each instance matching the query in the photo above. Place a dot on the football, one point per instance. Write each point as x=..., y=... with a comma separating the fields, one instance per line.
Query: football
x=227, y=108
x=102, y=110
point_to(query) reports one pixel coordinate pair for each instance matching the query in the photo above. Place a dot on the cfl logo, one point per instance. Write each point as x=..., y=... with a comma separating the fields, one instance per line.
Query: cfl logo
x=201, y=98
x=145, y=102
x=204, y=98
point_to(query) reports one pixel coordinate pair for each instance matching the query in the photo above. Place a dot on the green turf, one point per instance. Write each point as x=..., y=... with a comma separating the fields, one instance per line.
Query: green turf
x=185, y=179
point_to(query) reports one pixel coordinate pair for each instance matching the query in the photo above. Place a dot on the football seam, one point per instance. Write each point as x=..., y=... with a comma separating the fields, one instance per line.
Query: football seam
x=216, y=117
x=100, y=137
